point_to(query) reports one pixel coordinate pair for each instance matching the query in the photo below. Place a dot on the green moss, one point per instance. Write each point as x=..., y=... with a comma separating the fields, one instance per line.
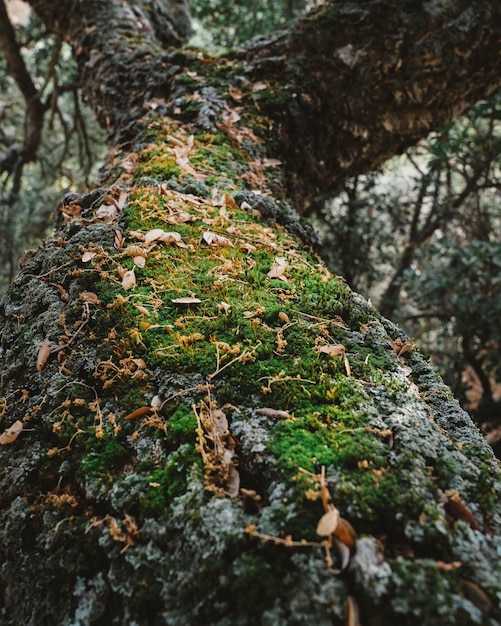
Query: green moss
x=168, y=482
x=104, y=456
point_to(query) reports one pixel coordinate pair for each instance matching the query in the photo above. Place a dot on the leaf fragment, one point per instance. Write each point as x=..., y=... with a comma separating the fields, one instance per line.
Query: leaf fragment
x=331, y=349
x=43, y=354
x=186, y=301
x=10, y=434
x=267, y=412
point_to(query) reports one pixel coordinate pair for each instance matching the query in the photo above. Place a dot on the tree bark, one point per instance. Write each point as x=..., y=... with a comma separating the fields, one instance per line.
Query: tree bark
x=203, y=425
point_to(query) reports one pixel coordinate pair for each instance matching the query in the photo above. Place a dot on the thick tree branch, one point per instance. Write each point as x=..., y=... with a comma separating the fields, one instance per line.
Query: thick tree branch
x=359, y=82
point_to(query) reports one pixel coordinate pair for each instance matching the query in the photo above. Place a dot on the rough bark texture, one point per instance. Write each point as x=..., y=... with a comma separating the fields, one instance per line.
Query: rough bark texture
x=184, y=434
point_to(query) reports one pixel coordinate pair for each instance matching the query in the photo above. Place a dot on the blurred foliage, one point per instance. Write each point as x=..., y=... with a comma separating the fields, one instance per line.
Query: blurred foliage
x=422, y=239
x=72, y=144
x=223, y=24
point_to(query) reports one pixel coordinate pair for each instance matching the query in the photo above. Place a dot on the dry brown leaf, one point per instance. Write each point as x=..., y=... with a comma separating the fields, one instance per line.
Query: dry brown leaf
x=186, y=301
x=217, y=241
x=136, y=234
x=107, y=213
x=284, y=317
x=278, y=271
x=88, y=256
x=119, y=240
x=141, y=412
x=346, y=533
x=347, y=366
x=172, y=237
x=43, y=354
x=139, y=261
x=10, y=434
x=273, y=413
x=332, y=349
x=328, y=523
x=153, y=235
x=343, y=551
x=128, y=280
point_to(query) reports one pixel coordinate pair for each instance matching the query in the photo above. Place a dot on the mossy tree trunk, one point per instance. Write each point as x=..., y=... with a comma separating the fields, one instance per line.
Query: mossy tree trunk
x=188, y=391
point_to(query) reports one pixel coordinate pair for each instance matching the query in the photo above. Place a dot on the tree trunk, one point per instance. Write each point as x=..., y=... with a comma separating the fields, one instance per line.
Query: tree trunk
x=203, y=425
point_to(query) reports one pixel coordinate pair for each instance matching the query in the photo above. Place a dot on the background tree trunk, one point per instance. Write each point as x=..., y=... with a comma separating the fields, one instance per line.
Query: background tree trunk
x=187, y=391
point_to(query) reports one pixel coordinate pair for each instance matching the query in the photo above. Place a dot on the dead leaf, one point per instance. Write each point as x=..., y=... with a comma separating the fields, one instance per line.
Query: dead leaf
x=346, y=533
x=331, y=349
x=139, y=261
x=141, y=412
x=457, y=509
x=235, y=93
x=172, y=237
x=129, y=164
x=152, y=235
x=328, y=523
x=107, y=213
x=88, y=256
x=273, y=413
x=43, y=354
x=343, y=551
x=278, y=271
x=10, y=434
x=218, y=241
x=128, y=280
x=186, y=301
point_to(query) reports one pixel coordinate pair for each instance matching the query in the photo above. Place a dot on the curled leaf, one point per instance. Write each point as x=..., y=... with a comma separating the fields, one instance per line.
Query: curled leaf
x=43, y=354
x=218, y=241
x=273, y=413
x=10, y=434
x=128, y=280
x=328, y=523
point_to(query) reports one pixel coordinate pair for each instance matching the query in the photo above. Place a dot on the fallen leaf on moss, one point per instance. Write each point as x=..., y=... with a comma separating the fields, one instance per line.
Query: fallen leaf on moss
x=278, y=269
x=186, y=301
x=331, y=349
x=10, y=434
x=217, y=241
x=267, y=412
x=128, y=280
